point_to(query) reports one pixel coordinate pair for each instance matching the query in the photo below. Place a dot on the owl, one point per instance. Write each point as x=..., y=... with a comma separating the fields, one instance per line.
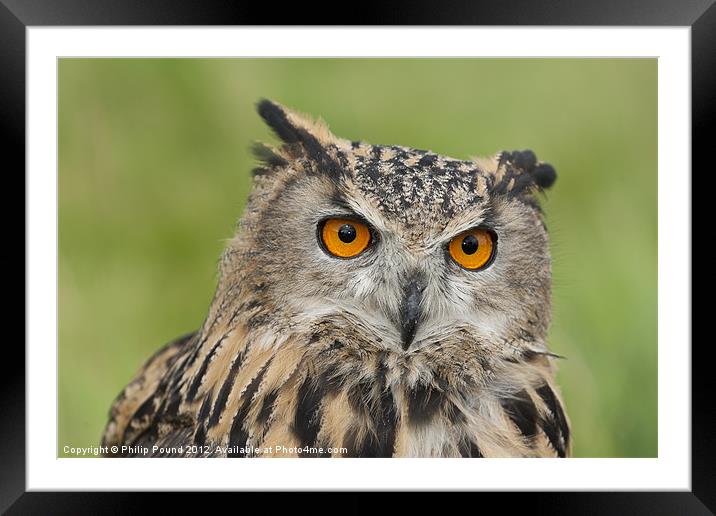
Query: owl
x=375, y=301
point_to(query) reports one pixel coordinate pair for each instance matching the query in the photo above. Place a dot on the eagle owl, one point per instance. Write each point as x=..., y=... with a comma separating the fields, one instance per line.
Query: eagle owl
x=376, y=301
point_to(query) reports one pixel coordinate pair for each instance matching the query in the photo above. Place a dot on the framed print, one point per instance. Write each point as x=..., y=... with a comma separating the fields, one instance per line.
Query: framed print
x=238, y=245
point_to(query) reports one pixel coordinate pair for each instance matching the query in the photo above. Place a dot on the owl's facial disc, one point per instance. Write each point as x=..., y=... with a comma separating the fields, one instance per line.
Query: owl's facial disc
x=347, y=236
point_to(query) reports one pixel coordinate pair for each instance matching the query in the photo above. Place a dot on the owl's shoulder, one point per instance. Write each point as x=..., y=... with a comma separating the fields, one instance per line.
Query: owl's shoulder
x=127, y=408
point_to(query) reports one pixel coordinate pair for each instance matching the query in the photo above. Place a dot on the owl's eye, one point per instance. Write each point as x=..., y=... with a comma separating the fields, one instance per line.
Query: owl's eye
x=473, y=249
x=344, y=238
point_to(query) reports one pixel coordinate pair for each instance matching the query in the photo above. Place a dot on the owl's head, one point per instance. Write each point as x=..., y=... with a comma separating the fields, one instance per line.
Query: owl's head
x=398, y=249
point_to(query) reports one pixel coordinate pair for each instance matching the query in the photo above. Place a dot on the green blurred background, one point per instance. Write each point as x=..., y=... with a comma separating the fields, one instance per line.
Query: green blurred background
x=154, y=168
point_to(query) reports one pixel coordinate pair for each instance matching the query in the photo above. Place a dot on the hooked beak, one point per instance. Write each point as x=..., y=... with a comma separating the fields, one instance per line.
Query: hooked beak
x=410, y=314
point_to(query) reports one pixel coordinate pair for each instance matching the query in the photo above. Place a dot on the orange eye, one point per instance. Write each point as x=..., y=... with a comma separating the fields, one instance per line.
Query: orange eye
x=345, y=238
x=473, y=249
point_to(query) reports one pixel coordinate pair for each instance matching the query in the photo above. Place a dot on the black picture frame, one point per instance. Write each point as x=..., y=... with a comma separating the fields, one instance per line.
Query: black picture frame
x=17, y=15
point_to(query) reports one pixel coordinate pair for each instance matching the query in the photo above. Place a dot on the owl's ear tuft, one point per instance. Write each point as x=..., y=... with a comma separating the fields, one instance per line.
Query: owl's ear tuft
x=302, y=135
x=544, y=175
x=269, y=158
x=276, y=118
x=526, y=170
x=292, y=127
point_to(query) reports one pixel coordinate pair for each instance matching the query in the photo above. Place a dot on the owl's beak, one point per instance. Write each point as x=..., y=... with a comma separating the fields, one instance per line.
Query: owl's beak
x=410, y=314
